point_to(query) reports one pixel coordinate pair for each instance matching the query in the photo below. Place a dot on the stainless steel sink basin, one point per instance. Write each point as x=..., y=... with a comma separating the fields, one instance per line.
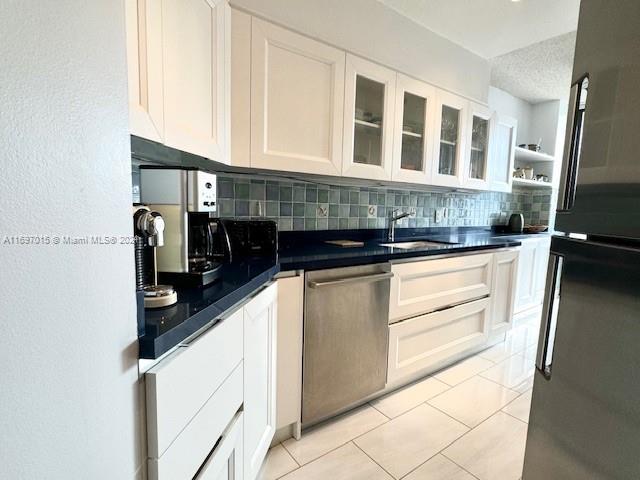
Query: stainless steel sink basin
x=417, y=244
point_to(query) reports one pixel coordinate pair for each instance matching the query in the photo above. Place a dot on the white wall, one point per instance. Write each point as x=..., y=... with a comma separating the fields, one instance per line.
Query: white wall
x=370, y=29
x=545, y=121
x=67, y=313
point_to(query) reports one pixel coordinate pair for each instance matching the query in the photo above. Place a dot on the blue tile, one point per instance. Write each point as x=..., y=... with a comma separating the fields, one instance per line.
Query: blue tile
x=285, y=209
x=241, y=191
x=286, y=194
x=273, y=192
x=311, y=194
x=242, y=208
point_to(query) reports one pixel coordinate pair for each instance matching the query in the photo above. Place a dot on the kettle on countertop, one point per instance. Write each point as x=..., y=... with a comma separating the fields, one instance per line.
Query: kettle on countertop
x=516, y=223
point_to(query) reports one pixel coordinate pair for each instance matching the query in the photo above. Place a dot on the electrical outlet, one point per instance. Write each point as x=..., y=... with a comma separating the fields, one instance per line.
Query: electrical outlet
x=439, y=215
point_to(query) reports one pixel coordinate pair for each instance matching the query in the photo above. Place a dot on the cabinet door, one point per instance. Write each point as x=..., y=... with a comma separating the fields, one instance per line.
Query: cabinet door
x=449, y=141
x=144, y=60
x=259, y=378
x=476, y=163
x=196, y=58
x=502, y=151
x=526, y=286
x=503, y=291
x=368, y=125
x=421, y=344
x=413, y=131
x=297, y=92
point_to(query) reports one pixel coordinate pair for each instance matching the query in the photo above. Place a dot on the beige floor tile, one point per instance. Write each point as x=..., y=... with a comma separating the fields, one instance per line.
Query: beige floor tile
x=530, y=353
x=463, y=370
x=407, y=441
x=406, y=398
x=473, y=400
x=277, y=464
x=520, y=407
x=439, y=468
x=324, y=438
x=522, y=387
x=494, y=450
x=345, y=463
x=524, y=335
x=510, y=372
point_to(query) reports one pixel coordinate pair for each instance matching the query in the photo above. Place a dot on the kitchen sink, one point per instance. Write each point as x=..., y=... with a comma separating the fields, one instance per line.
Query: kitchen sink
x=426, y=244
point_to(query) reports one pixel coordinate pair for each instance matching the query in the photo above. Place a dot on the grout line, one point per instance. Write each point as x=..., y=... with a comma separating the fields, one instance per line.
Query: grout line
x=329, y=422
x=455, y=463
x=372, y=459
x=507, y=413
x=378, y=410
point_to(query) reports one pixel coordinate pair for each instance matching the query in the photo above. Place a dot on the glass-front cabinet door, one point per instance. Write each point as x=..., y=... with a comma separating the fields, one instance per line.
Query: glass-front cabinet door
x=412, y=155
x=368, y=114
x=476, y=165
x=501, y=153
x=449, y=145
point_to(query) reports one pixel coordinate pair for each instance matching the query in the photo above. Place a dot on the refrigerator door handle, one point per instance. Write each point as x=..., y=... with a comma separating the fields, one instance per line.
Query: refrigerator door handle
x=573, y=139
x=547, y=325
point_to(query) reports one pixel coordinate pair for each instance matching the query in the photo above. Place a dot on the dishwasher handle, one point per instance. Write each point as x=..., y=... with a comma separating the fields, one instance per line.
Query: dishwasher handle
x=358, y=279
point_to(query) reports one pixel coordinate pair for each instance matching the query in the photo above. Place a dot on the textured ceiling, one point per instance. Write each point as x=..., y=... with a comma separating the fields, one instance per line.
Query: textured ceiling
x=538, y=72
x=491, y=28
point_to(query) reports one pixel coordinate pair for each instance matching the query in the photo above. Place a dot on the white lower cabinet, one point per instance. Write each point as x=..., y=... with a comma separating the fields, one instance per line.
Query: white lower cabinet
x=532, y=271
x=259, y=378
x=424, y=286
x=505, y=275
x=225, y=462
x=420, y=343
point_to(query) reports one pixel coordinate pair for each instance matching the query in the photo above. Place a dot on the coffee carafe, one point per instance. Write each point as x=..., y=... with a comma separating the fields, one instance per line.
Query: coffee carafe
x=148, y=229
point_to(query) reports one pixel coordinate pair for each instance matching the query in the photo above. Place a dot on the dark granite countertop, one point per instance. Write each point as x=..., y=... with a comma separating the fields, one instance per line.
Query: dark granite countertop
x=167, y=327
x=197, y=307
x=314, y=255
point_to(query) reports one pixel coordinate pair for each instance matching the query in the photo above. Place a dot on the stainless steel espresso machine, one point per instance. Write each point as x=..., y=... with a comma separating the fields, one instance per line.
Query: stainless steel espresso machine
x=186, y=199
x=148, y=229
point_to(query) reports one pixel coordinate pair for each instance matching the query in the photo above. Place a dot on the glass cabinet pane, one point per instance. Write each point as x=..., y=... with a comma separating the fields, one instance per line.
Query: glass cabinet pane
x=449, y=130
x=413, y=132
x=369, y=113
x=500, y=160
x=479, y=145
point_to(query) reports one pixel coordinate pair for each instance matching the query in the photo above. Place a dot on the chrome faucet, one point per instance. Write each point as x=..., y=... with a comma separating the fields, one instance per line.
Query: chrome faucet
x=393, y=218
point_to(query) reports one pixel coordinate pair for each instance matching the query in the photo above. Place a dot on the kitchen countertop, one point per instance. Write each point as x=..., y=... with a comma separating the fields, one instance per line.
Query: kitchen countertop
x=196, y=308
x=319, y=255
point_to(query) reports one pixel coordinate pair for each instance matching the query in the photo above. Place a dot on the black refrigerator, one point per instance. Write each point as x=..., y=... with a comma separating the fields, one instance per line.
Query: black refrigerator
x=585, y=411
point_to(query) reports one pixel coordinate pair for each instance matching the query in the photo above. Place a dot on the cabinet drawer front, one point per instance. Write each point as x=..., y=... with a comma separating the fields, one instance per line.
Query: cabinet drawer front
x=422, y=287
x=417, y=344
x=225, y=462
x=189, y=451
x=182, y=383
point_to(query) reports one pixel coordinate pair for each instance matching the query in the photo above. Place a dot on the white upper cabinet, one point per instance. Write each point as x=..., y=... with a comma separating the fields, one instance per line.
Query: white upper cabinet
x=144, y=58
x=413, y=131
x=449, y=139
x=502, y=150
x=196, y=57
x=476, y=158
x=368, y=120
x=297, y=93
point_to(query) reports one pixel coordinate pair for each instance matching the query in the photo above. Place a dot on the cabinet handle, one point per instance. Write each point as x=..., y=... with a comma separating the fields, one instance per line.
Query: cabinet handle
x=554, y=273
x=359, y=279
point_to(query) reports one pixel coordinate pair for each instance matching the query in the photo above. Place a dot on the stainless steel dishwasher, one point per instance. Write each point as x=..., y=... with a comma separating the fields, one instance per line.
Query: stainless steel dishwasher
x=346, y=334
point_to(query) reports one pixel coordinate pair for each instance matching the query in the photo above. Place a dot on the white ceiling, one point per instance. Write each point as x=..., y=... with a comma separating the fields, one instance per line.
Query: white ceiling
x=491, y=28
x=538, y=72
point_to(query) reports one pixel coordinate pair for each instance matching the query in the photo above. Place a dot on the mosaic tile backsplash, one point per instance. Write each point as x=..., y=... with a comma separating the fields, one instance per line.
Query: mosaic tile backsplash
x=298, y=205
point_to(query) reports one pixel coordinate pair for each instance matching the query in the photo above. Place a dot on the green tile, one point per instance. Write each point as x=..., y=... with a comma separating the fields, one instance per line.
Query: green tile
x=311, y=194
x=354, y=198
x=363, y=211
x=257, y=191
x=273, y=192
x=334, y=196
x=227, y=207
x=364, y=198
x=310, y=210
x=273, y=209
x=322, y=224
x=285, y=209
x=334, y=223
x=285, y=224
x=298, y=209
x=225, y=188
x=241, y=191
x=353, y=211
x=334, y=211
x=344, y=196
x=242, y=208
x=323, y=196
x=310, y=224
x=298, y=194
x=343, y=211
x=343, y=223
x=298, y=223
x=286, y=194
